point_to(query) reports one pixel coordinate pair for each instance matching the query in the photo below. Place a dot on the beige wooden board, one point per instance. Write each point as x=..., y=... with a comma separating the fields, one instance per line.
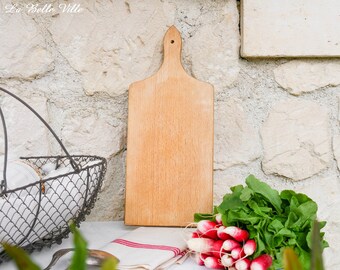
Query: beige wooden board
x=169, y=174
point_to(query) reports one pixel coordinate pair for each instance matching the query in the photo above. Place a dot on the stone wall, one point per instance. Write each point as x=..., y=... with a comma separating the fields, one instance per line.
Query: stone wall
x=276, y=119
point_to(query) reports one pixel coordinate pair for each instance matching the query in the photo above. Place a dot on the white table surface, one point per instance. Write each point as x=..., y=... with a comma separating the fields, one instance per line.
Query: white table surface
x=97, y=235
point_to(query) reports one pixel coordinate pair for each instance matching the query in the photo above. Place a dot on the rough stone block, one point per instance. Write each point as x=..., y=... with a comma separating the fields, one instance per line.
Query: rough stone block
x=91, y=135
x=296, y=139
x=299, y=77
x=236, y=140
x=214, y=50
x=23, y=50
x=27, y=136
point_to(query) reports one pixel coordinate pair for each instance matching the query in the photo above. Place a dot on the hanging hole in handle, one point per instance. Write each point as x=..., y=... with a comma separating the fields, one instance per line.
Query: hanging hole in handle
x=172, y=41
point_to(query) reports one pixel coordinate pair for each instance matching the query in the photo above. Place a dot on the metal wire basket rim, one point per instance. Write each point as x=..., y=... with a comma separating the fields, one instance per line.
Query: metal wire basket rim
x=103, y=161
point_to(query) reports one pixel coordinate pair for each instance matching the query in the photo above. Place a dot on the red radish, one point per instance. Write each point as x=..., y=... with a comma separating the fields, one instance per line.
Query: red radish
x=243, y=264
x=227, y=260
x=218, y=219
x=201, y=245
x=221, y=234
x=207, y=228
x=195, y=234
x=237, y=253
x=217, y=248
x=213, y=263
x=262, y=262
x=237, y=233
x=249, y=247
x=230, y=244
x=198, y=234
x=200, y=257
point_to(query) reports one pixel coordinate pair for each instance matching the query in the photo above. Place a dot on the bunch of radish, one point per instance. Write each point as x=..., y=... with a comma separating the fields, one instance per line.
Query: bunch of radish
x=219, y=247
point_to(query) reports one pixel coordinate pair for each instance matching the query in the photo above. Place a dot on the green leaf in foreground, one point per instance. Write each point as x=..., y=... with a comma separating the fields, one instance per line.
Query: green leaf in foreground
x=290, y=260
x=317, y=263
x=80, y=250
x=109, y=264
x=20, y=257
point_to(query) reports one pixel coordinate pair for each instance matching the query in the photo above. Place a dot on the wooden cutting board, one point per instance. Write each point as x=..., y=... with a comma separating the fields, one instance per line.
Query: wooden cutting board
x=169, y=173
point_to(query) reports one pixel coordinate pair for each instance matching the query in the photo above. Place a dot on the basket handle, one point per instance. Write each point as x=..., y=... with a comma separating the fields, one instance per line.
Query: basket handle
x=3, y=185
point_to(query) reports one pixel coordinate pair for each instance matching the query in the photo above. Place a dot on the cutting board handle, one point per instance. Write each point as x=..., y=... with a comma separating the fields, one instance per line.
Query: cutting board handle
x=172, y=51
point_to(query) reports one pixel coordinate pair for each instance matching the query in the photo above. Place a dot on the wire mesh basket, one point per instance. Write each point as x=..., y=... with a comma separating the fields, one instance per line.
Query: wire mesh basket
x=38, y=214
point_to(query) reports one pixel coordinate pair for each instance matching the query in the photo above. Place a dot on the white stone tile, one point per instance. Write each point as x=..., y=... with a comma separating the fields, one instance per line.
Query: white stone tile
x=272, y=28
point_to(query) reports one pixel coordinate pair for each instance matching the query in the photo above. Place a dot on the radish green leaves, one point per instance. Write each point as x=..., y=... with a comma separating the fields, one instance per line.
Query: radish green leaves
x=274, y=220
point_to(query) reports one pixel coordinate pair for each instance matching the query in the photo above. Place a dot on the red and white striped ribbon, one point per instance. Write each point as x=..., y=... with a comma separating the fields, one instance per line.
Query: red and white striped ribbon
x=127, y=243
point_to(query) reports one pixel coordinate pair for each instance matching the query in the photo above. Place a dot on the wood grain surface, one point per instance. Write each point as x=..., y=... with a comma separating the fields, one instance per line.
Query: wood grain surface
x=169, y=173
